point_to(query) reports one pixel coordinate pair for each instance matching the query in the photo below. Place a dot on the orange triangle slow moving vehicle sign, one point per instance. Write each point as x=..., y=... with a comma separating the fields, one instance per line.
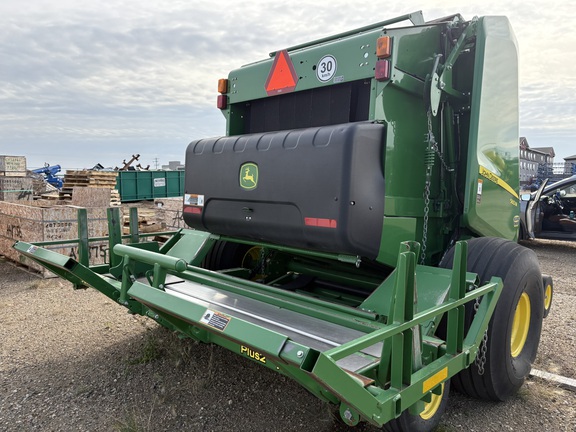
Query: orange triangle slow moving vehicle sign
x=282, y=77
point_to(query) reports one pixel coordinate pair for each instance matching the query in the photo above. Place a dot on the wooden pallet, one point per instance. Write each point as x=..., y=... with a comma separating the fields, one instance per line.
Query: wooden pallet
x=50, y=196
x=115, y=198
x=86, y=178
x=147, y=221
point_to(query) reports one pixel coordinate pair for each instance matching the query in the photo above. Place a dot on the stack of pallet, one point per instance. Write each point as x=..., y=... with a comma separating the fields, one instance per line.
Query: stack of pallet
x=147, y=221
x=87, y=178
x=115, y=198
x=15, y=185
x=90, y=179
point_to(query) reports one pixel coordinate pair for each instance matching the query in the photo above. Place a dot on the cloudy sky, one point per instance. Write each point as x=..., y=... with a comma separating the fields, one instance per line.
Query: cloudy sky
x=85, y=82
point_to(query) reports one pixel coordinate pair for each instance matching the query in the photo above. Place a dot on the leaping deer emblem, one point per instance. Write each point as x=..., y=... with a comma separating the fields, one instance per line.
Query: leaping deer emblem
x=248, y=177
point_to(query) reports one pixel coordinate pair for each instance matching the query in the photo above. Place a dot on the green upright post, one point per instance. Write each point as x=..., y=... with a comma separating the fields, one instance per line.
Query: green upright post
x=134, y=237
x=114, y=234
x=455, y=325
x=83, y=246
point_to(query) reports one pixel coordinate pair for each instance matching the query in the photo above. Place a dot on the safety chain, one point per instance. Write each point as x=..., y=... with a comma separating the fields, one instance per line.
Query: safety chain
x=434, y=145
x=425, y=223
x=480, y=360
x=429, y=161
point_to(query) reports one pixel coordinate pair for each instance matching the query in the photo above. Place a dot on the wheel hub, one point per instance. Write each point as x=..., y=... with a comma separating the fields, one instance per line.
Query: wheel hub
x=520, y=325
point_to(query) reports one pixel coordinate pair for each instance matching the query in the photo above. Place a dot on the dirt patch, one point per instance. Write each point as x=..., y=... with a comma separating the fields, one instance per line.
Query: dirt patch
x=73, y=360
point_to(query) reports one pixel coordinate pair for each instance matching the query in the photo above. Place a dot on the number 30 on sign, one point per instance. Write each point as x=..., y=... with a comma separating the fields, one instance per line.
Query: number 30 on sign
x=326, y=68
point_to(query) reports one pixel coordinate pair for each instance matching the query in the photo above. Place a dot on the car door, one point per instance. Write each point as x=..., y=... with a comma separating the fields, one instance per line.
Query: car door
x=532, y=216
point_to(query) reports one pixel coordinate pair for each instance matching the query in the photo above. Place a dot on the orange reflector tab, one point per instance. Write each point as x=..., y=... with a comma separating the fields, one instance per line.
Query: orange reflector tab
x=383, y=47
x=222, y=85
x=282, y=77
x=222, y=102
x=322, y=223
x=382, y=71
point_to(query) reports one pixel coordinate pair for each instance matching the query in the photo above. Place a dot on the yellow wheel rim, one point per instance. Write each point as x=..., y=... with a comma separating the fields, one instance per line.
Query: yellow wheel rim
x=250, y=260
x=547, y=297
x=251, y=257
x=431, y=407
x=520, y=325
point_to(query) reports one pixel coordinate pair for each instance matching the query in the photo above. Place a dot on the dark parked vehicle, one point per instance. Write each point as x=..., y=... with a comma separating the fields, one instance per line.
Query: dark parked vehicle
x=550, y=211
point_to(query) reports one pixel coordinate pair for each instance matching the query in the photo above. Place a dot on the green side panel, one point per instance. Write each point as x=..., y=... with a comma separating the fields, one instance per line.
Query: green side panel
x=192, y=246
x=147, y=185
x=395, y=230
x=399, y=104
x=492, y=179
x=433, y=284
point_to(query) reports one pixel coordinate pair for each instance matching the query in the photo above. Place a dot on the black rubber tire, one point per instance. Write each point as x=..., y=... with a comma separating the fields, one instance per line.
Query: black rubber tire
x=547, y=280
x=224, y=255
x=414, y=423
x=520, y=271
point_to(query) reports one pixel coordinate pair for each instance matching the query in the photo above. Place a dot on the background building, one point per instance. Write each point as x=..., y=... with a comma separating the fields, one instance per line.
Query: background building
x=531, y=159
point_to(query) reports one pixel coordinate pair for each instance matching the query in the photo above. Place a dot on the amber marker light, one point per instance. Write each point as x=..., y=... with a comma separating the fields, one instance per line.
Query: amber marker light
x=222, y=85
x=383, y=47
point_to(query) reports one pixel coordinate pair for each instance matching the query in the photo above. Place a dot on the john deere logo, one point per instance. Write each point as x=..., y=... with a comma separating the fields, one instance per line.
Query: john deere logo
x=249, y=176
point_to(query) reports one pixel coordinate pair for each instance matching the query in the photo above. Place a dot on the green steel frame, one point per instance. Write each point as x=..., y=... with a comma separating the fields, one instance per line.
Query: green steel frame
x=413, y=360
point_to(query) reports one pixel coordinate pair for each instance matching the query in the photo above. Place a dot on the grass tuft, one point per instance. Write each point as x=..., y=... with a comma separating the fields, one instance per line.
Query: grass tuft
x=134, y=421
x=150, y=352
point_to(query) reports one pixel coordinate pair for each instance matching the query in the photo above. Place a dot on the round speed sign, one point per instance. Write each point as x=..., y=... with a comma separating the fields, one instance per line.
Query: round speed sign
x=326, y=68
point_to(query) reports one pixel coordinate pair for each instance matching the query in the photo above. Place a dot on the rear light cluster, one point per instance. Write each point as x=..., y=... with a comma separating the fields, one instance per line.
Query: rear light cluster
x=383, y=52
x=222, y=101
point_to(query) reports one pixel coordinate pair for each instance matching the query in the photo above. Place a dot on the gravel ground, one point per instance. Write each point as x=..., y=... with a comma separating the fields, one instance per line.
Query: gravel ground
x=75, y=361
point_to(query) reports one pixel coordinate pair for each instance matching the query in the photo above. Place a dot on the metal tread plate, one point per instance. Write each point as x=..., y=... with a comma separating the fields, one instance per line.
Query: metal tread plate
x=301, y=328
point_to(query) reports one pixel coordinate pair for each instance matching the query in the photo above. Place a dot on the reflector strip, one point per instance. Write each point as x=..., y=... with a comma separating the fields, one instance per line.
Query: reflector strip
x=434, y=380
x=193, y=210
x=319, y=222
x=282, y=77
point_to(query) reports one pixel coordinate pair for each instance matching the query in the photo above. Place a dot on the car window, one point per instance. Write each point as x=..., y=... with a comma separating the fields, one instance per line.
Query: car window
x=569, y=191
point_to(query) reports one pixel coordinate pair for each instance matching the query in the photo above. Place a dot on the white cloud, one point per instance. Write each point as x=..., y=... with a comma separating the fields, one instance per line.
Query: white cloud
x=82, y=82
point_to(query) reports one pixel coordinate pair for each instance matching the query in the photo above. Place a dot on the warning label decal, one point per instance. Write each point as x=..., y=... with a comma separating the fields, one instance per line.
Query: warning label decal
x=214, y=319
x=479, y=193
x=194, y=199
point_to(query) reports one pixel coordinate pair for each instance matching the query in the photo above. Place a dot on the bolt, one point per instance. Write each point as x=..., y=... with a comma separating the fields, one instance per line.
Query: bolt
x=300, y=354
x=156, y=317
x=348, y=414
